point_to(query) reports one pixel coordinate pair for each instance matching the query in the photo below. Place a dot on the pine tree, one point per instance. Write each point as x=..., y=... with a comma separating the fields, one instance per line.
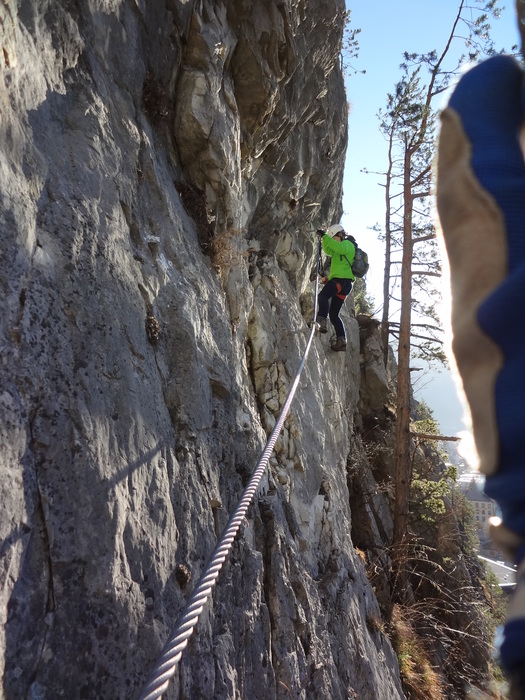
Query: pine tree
x=409, y=124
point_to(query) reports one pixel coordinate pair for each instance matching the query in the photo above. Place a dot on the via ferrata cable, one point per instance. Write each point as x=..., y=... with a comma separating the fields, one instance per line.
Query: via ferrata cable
x=171, y=654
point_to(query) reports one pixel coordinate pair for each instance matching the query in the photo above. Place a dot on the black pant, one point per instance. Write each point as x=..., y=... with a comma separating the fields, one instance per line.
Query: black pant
x=331, y=298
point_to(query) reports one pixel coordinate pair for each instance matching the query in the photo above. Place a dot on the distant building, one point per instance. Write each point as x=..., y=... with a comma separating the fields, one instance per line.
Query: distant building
x=484, y=507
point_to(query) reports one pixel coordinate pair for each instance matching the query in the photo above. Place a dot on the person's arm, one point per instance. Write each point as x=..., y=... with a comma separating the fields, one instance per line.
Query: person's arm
x=327, y=243
x=332, y=247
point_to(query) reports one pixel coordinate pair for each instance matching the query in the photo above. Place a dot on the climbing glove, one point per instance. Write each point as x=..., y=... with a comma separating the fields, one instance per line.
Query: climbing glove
x=481, y=207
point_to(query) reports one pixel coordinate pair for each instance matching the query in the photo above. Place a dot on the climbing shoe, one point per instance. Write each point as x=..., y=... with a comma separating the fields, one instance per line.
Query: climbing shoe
x=322, y=324
x=339, y=345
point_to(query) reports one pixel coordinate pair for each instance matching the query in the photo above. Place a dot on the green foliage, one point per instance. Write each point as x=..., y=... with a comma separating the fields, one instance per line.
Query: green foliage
x=430, y=490
x=406, y=108
x=428, y=497
x=364, y=303
x=424, y=411
x=350, y=46
x=466, y=517
x=450, y=610
x=451, y=472
x=409, y=124
x=495, y=600
x=426, y=422
x=495, y=597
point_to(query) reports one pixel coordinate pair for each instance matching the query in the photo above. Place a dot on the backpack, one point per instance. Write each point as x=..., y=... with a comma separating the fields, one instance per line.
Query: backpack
x=360, y=265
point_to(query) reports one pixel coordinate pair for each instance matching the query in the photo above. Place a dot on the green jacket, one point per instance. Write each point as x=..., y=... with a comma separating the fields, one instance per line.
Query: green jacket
x=340, y=267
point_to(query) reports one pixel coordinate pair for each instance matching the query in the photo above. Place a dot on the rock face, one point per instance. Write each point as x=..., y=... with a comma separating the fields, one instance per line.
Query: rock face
x=162, y=168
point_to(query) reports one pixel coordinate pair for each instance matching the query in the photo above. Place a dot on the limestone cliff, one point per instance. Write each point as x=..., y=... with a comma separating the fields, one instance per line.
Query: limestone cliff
x=162, y=167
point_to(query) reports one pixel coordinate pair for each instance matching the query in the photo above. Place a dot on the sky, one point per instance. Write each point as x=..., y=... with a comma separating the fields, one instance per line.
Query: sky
x=387, y=30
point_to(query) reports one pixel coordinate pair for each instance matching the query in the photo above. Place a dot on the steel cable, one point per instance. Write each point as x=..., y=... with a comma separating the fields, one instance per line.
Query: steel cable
x=171, y=654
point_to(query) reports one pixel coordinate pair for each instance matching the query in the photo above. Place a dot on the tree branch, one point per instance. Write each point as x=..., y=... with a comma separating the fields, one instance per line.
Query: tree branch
x=426, y=337
x=426, y=273
x=421, y=239
x=429, y=326
x=428, y=436
x=421, y=175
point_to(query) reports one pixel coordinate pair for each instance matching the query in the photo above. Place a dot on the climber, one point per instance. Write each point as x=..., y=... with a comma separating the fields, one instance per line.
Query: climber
x=331, y=298
x=481, y=206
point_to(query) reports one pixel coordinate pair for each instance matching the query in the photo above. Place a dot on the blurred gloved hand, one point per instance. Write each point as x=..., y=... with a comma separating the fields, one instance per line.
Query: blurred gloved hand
x=481, y=206
x=320, y=232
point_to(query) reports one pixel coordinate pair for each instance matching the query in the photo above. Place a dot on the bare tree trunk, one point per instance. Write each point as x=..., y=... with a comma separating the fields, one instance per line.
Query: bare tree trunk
x=403, y=458
x=388, y=252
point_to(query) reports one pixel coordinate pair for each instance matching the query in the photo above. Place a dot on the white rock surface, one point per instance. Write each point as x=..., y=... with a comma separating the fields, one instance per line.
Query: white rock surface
x=121, y=457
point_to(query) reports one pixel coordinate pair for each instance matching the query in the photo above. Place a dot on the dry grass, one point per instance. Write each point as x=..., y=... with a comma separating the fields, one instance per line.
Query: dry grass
x=152, y=328
x=362, y=555
x=375, y=623
x=420, y=680
x=226, y=249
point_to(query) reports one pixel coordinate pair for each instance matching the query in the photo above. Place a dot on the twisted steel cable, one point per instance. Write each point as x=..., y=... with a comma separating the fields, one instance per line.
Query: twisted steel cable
x=170, y=656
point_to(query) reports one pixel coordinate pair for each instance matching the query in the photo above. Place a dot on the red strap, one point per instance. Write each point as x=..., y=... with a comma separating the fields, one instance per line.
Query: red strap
x=339, y=295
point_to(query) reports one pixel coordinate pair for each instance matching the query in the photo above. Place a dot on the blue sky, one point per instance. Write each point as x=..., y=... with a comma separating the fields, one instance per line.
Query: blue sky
x=387, y=30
